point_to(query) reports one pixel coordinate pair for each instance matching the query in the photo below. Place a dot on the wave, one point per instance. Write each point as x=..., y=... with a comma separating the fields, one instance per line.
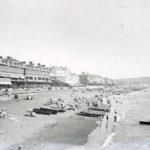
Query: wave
x=108, y=141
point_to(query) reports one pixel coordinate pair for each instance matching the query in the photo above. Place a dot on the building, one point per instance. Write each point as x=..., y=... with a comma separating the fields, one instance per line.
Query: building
x=72, y=79
x=5, y=83
x=37, y=75
x=58, y=73
x=19, y=74
x=11, y=70
x=22, y=75
x=65, y=75
x=109, y=81
x=91, y=79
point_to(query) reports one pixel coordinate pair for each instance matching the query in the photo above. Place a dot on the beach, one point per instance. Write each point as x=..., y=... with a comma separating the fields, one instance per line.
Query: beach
x=69, y=130
x=16, y=127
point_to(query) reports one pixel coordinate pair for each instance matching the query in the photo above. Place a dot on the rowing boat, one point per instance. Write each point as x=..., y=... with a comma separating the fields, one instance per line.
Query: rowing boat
x=145, y=122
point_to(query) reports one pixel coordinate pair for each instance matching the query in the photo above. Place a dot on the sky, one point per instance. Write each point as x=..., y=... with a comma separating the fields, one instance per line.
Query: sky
x=106, y=37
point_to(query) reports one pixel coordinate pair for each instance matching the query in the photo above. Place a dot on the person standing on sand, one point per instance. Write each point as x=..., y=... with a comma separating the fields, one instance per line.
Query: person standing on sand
x=101, y=118
x=107, y=118
x=115, y=116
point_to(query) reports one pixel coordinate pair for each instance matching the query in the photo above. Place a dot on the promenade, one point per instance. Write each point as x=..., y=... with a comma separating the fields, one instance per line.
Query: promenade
x=21, y=92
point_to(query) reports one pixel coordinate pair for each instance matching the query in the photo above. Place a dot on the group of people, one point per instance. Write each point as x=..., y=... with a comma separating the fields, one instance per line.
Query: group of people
x=58, y=102
x=5, y=91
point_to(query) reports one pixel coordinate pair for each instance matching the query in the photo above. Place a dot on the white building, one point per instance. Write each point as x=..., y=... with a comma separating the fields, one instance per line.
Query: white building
x=64, y=74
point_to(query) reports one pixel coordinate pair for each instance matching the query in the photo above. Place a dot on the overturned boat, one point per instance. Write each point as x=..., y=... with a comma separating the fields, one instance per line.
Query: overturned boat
x=91, y=113
x=48, y=110
x=41, y=111
x=53, y=110
x=88, y=114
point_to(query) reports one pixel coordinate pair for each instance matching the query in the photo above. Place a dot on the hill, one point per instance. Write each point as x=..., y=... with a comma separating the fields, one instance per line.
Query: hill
x=140, y=80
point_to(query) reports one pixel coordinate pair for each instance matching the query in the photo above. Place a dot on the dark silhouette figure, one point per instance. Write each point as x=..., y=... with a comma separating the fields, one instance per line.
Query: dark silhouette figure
x=115, y=118
x=20, y=147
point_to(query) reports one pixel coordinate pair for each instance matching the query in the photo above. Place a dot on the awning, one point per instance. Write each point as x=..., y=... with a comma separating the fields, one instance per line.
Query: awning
x=30, y=76
x=35, y=76
x=5, y=82
x=12, y=75
x=3, y=75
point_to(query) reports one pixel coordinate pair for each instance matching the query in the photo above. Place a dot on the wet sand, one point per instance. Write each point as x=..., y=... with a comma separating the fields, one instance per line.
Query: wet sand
x=71, y=131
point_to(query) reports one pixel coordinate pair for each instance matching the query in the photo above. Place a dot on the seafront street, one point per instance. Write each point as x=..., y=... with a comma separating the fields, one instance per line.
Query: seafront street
x=67, y=128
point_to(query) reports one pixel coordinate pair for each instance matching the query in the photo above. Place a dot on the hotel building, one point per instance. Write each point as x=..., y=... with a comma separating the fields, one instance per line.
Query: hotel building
x=92, y=79
x=19, y=74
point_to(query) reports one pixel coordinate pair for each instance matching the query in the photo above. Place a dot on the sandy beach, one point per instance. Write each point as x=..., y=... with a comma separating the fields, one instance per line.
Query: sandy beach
x=64, y=130
x=16, y=127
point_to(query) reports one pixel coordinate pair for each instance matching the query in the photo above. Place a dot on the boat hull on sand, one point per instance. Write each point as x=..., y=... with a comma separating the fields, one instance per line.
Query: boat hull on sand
x=40, y=111
x=88, y=114
x=144, y=122
x=100, y=109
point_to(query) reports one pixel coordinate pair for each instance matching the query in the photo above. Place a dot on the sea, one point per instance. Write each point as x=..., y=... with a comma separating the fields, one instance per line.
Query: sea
x=124, y=133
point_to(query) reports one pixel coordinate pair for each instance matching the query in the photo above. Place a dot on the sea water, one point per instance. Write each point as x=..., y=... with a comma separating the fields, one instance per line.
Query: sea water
x=126, y=133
